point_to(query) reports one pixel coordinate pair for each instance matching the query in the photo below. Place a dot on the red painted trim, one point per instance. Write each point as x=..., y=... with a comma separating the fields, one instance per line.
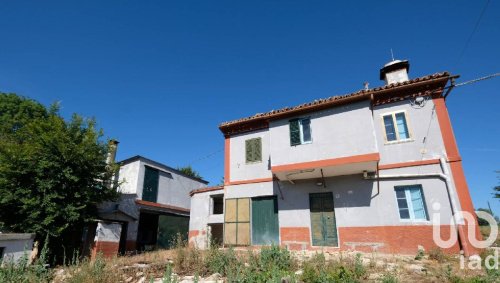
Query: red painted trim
x=457, y=171
x=262, y=180
x=408, y=164
x=327, y=162
x=227, y=164
x=450, y=143
x=159, y=205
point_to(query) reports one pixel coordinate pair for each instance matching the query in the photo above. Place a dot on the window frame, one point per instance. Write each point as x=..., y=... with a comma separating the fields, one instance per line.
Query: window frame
x=409, y=204
x=301, y=130
x=246, y=157
x=212, y=204
x=396, y=130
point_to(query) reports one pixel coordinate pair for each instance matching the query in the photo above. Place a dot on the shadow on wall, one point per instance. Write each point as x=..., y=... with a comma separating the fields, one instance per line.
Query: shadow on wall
x=348, y=191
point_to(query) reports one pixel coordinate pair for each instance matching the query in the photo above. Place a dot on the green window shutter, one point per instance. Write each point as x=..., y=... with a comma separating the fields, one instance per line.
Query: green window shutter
x=248, y=151
x=294, y=132
x=253, y=150
x=257, y=149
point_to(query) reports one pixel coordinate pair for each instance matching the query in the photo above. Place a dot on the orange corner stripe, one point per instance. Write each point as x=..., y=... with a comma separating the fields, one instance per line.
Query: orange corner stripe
x=327, y=162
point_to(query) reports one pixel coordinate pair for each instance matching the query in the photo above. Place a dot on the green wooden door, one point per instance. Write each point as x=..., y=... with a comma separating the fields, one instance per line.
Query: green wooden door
x=324, y=229
x=150, y=187
x=169, y=226
x=265, y=228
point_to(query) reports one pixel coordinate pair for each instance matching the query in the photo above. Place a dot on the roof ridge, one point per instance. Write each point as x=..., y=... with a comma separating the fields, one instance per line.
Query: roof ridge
x=334, y=98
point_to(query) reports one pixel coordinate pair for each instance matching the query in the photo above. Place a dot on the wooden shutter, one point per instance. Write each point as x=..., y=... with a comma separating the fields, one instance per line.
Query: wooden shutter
x=253, y=150
x=294, y=132
x=237, y=222
x=257, y=153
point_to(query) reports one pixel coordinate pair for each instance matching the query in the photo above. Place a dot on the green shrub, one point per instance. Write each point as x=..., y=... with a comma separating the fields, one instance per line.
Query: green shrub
x=318, y=270
x=20, y=271
x=420, y=254
x=388, y=278
x=437, y=255
x=187, y=259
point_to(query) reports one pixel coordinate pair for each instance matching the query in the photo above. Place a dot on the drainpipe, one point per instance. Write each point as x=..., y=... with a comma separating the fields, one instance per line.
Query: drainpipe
x=451, y=197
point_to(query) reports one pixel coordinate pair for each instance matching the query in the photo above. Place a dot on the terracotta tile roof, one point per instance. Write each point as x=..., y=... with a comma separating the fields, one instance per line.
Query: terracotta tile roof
x=204, y=190
x=333, y=100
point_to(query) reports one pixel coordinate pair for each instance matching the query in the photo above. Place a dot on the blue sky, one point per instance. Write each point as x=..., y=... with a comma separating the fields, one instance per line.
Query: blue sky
x=160, y=76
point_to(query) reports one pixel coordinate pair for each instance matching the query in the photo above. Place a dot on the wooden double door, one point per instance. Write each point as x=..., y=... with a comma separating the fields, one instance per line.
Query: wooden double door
x=323, y=224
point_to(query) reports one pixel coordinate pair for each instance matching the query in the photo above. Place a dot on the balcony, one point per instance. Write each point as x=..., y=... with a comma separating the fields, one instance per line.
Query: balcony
x=327, y=168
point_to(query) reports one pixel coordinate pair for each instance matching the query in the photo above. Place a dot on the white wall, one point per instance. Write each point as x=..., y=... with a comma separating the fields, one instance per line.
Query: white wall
x=128, y=177
x=337, y=132
x=422, y=122
x=14, y=249
x=358, y=203
x=239, y=169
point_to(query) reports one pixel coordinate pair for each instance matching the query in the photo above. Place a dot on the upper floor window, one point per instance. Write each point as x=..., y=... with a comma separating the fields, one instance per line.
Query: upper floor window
x=150, y=186
x=253, y=150
x=396, y=126
x=411, y=202
x=217, y=204
x=300, y=131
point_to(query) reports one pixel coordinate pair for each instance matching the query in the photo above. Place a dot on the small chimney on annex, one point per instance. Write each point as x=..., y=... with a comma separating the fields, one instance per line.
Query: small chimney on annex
x=395, y=71
x=112, y=147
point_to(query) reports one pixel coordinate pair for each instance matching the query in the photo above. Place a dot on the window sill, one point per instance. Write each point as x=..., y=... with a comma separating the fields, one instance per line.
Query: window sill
x=399, y=141
x=254, y=162
x=306, y=143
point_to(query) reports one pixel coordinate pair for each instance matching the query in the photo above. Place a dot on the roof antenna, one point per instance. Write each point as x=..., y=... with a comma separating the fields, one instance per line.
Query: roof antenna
x=392, y=55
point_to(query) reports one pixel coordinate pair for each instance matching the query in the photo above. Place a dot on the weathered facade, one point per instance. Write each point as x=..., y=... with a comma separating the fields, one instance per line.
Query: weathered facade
x=363, y=171
x=154, y=206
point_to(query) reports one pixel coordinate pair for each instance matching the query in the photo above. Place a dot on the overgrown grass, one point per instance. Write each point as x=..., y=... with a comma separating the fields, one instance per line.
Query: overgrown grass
x=20, y=271
x=96, y=271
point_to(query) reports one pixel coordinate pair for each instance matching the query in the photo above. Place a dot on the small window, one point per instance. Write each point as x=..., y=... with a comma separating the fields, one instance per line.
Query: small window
x=2, y=249
x=300, y=131
x=411, y=202
x=217, y=204
x=396, y=127
x=253, y=150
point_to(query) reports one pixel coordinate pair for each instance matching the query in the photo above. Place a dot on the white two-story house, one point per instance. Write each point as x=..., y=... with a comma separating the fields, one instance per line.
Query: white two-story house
x=153, y=207
x=370, y=170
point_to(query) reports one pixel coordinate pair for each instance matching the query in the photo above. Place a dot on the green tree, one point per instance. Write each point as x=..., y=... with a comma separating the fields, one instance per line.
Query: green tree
x=188, y=170
x=52, y=171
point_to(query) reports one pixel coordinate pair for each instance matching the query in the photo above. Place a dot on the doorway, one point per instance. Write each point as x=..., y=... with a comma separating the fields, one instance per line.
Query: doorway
x=323, y=224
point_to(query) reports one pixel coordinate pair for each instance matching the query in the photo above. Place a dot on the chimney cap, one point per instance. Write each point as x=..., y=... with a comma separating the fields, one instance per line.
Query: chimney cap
x=113, y=142
x=394, y=65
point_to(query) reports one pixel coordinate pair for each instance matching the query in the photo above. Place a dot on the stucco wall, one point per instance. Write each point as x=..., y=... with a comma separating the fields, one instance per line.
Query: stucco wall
x=108, y=232
x=128, y=177
x=422, y=122
x=337, y=132
x=239, y=169
x=15, y=249
x=358, y=202
x=200, y=217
